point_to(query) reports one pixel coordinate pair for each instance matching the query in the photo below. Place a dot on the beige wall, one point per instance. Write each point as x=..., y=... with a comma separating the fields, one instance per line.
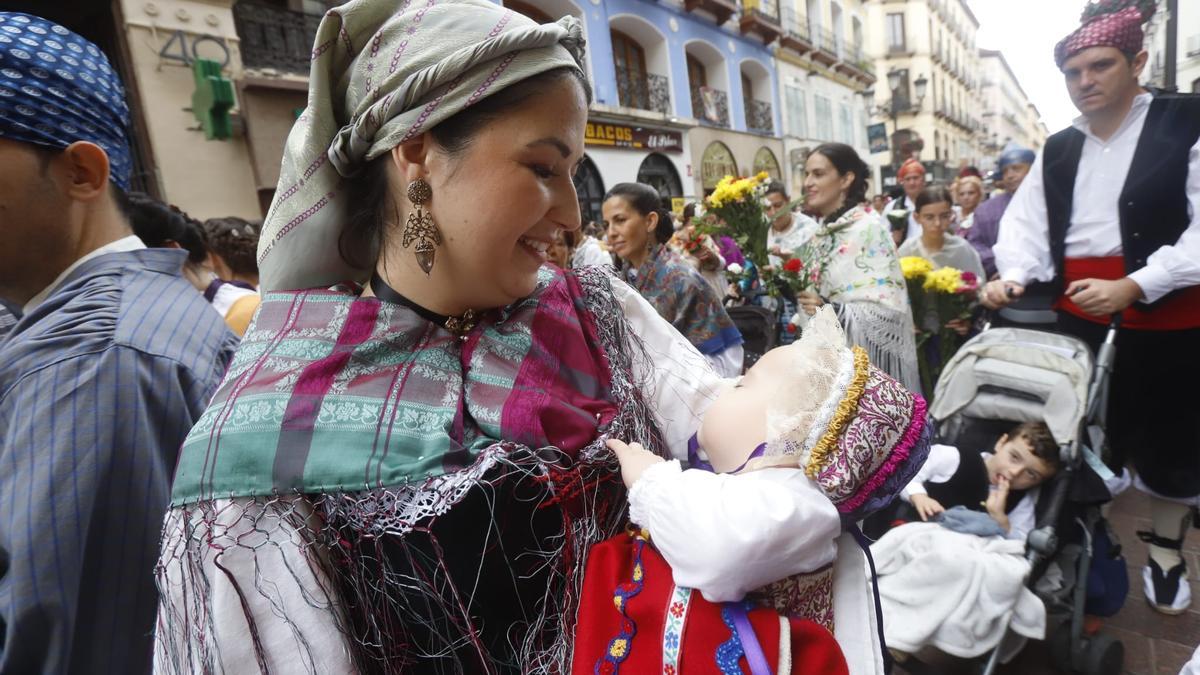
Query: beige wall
x=743, y=146
x=204, y=178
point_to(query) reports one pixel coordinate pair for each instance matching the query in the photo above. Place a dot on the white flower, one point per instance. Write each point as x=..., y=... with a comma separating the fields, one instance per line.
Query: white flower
x=897, y=213
x=734, y=268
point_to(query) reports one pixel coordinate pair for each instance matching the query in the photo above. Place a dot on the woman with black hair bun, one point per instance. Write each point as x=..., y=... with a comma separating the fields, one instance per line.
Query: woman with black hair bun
x=638, y=231
x=851, y=262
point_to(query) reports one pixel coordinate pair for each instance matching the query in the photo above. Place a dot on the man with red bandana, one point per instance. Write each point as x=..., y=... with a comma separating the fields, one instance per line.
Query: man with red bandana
x=912, y=178
x=1111, y=212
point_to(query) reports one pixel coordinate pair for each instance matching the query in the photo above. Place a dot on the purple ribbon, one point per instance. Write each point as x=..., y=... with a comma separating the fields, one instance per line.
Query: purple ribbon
x=695, y=462
x=753, y=650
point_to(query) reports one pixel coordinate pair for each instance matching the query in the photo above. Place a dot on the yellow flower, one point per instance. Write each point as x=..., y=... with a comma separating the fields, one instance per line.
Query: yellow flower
x=762, y=176
x=943, y=280
x=617, y=650
x=915, y=267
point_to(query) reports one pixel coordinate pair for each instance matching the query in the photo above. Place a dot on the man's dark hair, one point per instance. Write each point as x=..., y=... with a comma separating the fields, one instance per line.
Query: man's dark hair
x=777, y=187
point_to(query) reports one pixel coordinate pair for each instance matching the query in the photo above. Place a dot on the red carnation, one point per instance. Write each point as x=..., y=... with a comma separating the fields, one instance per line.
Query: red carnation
x=791, y=328
x=793, y=265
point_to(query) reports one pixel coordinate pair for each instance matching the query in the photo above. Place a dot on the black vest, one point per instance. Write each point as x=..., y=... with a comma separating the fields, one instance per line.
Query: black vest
x=969, y=486
x=1153, y=206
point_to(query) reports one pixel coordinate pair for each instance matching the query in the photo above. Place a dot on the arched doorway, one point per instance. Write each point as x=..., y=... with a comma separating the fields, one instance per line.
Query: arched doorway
x=658, y=172
x=590, y=190
x=764, y=160
x=716, y=163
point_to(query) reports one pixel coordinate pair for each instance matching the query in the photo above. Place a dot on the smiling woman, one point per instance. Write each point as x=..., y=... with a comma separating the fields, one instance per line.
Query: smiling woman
x=415, y=471
x=638, y=232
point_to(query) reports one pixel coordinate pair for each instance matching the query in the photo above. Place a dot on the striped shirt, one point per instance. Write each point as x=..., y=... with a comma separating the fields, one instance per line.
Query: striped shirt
x=99, y=384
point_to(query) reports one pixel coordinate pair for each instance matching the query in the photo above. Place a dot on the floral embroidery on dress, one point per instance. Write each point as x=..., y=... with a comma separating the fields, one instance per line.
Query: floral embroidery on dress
x=677, y=605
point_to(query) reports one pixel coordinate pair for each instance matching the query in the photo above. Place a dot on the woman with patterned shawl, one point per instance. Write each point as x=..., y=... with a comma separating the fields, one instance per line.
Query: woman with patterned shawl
x=639, y=232
x=407, y=477
x=851, y=261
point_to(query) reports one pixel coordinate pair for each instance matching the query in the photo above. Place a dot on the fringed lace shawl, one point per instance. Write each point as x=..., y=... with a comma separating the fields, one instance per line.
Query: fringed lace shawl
x=369, y=493
x=856, y=267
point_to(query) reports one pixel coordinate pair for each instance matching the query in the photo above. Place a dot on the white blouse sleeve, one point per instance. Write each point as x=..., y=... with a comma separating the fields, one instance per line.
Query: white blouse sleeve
x=681, y=382
x=1023, y=242
x=939, y=466
x=728, y=534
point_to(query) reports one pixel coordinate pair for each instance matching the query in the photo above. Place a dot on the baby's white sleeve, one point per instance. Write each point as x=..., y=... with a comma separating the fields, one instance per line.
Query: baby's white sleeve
x=728, y=534
x=939, y=467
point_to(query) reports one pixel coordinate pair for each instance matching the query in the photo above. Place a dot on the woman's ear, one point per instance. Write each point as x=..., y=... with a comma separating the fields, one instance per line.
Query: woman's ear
x=848, y=179
x=652, y=225
x=1000, y=442
x=411, y=158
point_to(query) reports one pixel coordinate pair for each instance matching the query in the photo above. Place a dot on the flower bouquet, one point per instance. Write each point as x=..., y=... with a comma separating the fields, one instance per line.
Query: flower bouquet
x=897, y=219
x=938, y=297
x=737, y=204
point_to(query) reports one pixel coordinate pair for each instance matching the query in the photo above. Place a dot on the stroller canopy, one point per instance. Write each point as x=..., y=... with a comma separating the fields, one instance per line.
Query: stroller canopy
x=1020, y=375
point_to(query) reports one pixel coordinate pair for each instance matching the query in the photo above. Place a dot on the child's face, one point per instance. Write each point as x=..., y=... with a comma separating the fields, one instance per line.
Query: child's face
x=1014, y=459
x=736, y=423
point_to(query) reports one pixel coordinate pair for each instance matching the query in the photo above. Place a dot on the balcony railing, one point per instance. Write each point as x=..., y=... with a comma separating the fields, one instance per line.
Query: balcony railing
x=710, y=106
x=275, y=38
x=762, y=18
x=759, y=117
x=795, y=35
x=721, y=9
x=644, y=92
x=827, y=47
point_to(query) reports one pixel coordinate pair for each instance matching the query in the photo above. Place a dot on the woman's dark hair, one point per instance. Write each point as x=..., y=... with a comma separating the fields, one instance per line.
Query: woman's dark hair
x=236, y=241
x=159, y=225
x=689, y=212
x=369, y=193
x=645, y=200
x=846, y=160
x=932, y=195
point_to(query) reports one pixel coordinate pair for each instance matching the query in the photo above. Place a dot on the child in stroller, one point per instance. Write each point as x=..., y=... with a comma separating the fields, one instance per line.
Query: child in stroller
x=1001, y=483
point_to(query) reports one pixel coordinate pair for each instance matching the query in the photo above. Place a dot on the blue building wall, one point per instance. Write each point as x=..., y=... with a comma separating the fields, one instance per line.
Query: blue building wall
x=691, y=28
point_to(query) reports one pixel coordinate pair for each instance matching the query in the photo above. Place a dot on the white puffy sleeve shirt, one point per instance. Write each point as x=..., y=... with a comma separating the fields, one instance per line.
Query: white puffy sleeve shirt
x=1023, y=249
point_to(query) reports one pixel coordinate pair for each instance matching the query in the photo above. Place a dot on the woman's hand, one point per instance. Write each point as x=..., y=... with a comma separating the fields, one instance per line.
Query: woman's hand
x=960, y=326
x=809, y=302
x=780, y=253
x=634, y=460
x=926, y=506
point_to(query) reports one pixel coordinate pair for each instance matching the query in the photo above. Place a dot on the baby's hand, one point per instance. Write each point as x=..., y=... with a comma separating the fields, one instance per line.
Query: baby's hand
x=926, y=506
x=634, y=460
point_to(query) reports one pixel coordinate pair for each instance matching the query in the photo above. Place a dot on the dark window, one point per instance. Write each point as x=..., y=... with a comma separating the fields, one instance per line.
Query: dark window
x=629, y=61
x=590, y=189
x=697, y=75
x=895, y=33
x=529, y=11
x=659, y=173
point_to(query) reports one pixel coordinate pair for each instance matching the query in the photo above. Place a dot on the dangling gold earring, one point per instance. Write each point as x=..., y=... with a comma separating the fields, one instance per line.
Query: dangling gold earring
x=420, y=226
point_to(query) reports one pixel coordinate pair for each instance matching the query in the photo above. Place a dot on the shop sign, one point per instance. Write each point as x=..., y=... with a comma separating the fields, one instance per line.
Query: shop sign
x=637, y=138
x=716, y=163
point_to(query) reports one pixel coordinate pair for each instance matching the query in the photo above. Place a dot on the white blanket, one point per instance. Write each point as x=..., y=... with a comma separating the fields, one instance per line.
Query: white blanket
x=956, y=592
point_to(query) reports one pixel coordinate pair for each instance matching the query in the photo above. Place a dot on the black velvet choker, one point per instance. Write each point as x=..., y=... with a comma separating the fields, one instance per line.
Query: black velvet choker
x=459, y=325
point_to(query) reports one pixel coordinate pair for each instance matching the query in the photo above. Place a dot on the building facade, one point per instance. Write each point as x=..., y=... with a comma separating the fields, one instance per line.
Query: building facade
x=1008, y=116
x=926, y=57
x=824, y=74
x=684, y=91
x=1187, y=49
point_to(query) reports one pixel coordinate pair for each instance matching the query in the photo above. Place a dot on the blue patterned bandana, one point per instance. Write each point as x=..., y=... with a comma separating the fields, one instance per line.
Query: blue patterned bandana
x=57, y=88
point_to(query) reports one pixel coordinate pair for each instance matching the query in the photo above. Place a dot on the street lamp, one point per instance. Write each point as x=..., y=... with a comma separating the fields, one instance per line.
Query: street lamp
x=896, y=78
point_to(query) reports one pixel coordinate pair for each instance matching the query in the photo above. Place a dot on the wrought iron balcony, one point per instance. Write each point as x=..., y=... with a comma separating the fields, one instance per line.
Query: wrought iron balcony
x=710, y=106
x=644, y=92
x=759, y=117
x=721, y=9
x=275, y=38
x=827, y=48
x=762, y=18
x=795, y=36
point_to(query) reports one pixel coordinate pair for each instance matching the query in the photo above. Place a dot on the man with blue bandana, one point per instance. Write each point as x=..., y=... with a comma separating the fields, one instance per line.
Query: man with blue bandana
x=113, y=358
x=1014, y=166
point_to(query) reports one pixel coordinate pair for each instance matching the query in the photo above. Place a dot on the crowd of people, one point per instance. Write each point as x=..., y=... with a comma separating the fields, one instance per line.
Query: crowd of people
x=430, y=427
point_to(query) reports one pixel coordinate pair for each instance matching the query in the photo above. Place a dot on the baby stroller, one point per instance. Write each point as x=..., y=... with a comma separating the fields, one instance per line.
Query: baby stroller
x=1010, y=375
x=759, y=327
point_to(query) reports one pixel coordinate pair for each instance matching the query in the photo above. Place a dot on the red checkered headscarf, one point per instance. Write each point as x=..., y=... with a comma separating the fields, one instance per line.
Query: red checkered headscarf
x=910, y=166
x=1107, y=23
